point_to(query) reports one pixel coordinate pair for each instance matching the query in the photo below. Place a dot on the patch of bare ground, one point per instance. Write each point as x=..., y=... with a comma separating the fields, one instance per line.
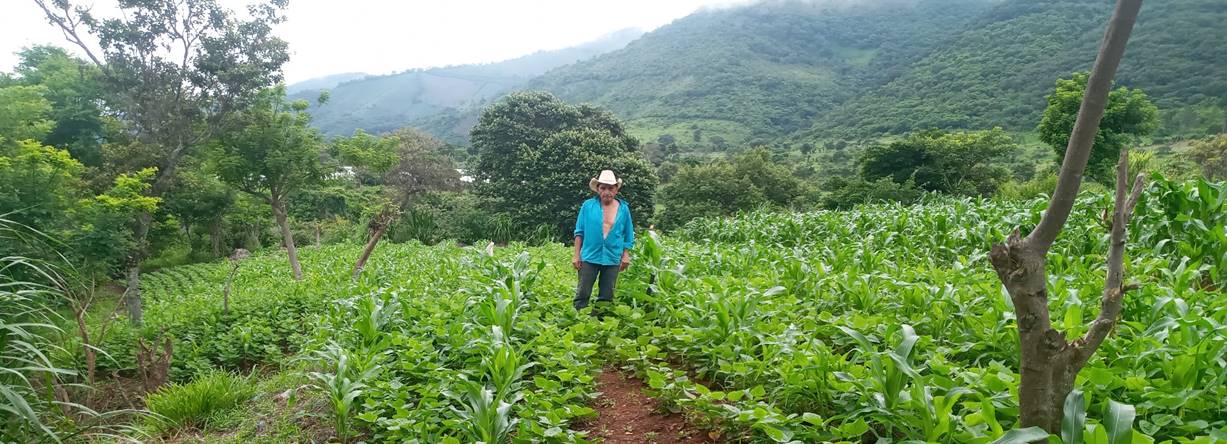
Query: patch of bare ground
x=627, y=416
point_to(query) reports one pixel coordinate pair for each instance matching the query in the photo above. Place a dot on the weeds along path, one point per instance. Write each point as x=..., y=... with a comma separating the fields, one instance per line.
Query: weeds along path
x=626, y=415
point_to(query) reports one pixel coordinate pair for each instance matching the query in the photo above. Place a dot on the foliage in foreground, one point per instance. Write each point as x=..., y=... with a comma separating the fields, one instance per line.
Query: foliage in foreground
x=770, y=327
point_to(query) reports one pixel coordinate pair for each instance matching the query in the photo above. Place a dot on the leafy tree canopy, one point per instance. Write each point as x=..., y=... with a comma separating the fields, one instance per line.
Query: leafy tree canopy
x=1129, y=116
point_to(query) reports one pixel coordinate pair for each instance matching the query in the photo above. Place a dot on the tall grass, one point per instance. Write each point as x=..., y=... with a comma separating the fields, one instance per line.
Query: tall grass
x=26, y=326
x=34, y=402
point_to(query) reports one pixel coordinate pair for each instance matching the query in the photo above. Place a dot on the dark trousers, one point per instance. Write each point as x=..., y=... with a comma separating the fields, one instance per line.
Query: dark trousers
x=589, y=273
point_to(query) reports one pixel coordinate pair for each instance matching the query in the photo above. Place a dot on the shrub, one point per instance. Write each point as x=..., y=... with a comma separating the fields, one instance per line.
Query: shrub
x=843, y=193
x=1037, y=186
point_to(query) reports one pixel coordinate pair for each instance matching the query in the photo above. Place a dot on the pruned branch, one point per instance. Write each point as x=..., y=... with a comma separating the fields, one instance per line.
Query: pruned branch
x=1139, y=185
x=1094, y=102
x=1114, y=288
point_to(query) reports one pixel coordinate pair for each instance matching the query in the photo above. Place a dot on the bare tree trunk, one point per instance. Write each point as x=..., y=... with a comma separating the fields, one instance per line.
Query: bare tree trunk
x=317, y=234
x=215, y=238
x=279, y=212
x=378, y=226
x=1048, y=363
x=226, y=290
x=132, y=295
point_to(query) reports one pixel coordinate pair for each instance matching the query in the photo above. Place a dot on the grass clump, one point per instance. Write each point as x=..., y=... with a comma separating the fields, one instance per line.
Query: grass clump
x=191, y=405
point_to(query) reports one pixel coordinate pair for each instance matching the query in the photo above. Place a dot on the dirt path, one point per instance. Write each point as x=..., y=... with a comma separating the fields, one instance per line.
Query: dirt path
x=627, y=416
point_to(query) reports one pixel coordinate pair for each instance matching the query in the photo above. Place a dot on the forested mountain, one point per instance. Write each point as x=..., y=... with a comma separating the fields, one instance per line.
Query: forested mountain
x=998, y=69
x=813, y=70
x=762, y=71
x=422, y=97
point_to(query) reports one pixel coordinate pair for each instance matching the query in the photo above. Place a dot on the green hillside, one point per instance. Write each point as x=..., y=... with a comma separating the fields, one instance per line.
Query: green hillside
x=424, y=97
x=997, y=71
x=762, y=71
x=796, y=71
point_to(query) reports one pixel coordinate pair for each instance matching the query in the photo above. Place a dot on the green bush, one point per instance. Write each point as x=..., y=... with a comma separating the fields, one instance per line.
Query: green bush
x=1037, y=186
x=843, y=193
x=1042, y=186
x=743, y=183
x=192, y=404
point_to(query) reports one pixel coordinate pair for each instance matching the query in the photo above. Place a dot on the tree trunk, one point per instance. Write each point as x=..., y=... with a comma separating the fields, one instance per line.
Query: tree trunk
x=234, y=269
x=317, y=234
x=1048, y=363
x=1045, y=380
x=132, y=295
x=280, y=213
x=215, y=238
x=377, y=227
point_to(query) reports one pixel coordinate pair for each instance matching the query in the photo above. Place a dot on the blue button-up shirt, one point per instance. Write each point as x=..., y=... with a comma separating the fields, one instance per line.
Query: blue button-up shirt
x=605, y=250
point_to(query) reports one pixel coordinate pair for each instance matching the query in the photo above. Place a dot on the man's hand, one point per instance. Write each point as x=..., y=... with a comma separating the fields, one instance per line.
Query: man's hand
x=626, y=261
x=575, y=262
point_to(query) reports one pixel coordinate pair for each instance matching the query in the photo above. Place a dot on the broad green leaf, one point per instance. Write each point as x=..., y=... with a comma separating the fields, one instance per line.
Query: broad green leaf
x=1073, y=316
x=758, y=392
x=1022, y=436
x=866, y=346
x=777, y=434
x=990, y=415
x=854, y=429
x=1074, y=421
x=1118, y=422
x=904, y=350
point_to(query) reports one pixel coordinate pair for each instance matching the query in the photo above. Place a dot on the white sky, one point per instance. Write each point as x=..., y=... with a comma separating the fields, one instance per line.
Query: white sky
x=384, y=36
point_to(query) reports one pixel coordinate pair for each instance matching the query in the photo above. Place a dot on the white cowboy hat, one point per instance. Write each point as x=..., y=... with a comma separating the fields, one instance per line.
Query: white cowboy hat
x=606, y=177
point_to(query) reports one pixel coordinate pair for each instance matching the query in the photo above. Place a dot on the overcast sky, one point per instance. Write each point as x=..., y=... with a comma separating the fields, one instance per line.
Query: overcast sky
x=383, y=36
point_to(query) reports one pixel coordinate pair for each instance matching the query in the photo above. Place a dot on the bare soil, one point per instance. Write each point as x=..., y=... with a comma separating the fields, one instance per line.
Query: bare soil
x=627, y=416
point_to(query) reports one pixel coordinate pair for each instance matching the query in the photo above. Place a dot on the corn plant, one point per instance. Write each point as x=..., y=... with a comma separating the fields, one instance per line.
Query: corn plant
x=889, y=371
x=371, y=315
x=343, y=384
x=486, y=417
x=504, y=370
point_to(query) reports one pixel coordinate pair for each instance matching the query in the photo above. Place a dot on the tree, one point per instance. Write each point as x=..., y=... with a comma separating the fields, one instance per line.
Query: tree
x=271, y=152
x=1129, y=115
x=39, y=185
x=807, y=148
x=74, y=89
x=536, y=154
x=1049, y=364
x=419, y=167
x=173, y=71
x=742, y=183
x=42, y=187
x=844, y=193
x=945, y=162
x=24, y=113
x=571, y=158
x=408, y=164
x=1212, y=156
x=198, y=199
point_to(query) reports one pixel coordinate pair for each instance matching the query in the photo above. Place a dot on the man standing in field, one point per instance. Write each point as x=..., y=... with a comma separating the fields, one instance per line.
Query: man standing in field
x=604, y=236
